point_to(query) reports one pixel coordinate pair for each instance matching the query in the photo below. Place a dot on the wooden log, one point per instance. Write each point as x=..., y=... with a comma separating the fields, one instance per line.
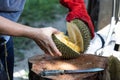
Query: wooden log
x=39, y=63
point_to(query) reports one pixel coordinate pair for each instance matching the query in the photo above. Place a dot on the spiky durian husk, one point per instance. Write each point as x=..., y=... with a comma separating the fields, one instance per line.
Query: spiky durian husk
x=114, y=68
x=66, y=51
x=85, y=33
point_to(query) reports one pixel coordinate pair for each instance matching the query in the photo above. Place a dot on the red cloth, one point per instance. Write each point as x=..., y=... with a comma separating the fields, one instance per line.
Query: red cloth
x=77, y=10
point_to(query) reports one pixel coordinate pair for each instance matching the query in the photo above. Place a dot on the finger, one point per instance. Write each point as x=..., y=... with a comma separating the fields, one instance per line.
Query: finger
x=46, y=52
x=53, y=51
x=42, y=46
x=55, y=31
x=54, y=48
x=46, y=48
x=49, y=50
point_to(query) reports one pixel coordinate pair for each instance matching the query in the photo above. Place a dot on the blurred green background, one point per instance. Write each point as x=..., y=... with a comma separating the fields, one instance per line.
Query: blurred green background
x=35, y=13
x=36, y=10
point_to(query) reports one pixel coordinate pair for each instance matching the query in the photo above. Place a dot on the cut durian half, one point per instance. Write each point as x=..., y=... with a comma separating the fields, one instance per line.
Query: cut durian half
x=66, y=47
x=84, y=37
x=76, y=42
x=75, y=35
x=67, y=42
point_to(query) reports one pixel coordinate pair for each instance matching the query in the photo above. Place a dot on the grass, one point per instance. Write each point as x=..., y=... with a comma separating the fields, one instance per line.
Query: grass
x=36, y=11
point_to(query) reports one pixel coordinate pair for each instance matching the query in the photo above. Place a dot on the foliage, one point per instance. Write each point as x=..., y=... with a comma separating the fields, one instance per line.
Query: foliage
x=36, y=10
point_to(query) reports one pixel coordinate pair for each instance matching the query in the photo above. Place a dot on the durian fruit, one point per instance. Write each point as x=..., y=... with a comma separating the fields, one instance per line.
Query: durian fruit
x=65, y=46
x=76, y=42
x=114, y=68
x=79, y=34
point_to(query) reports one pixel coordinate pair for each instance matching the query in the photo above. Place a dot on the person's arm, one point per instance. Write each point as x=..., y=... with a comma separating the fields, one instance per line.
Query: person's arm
x=42, y=36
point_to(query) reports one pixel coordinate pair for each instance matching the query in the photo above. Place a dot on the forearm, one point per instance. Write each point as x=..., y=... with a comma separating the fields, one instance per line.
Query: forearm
x=42, y=36
x=8, y=27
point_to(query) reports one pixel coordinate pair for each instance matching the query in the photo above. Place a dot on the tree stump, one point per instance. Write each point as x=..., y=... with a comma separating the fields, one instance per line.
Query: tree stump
x=39, y=63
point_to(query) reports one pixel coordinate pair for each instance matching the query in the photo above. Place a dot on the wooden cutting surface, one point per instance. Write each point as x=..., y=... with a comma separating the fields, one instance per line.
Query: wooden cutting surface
x=44, y=62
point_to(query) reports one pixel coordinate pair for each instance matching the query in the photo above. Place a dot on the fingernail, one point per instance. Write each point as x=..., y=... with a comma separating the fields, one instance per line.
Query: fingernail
x=60, y=54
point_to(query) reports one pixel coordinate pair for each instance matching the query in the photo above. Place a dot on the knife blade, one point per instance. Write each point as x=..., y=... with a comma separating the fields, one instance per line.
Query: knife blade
x=60, y=72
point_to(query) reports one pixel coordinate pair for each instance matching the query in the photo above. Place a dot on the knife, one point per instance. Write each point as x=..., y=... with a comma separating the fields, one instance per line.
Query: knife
x=60, y=72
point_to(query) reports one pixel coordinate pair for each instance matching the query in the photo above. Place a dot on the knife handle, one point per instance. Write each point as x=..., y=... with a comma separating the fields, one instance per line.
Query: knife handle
x=51, y=72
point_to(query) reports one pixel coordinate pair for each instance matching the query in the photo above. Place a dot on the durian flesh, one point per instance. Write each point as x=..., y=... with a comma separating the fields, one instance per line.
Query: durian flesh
x=66, y=47
x=75, y=35
x=66, y=40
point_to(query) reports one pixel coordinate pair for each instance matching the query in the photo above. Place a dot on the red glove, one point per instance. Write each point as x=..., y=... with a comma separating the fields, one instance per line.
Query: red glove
x=77, y=10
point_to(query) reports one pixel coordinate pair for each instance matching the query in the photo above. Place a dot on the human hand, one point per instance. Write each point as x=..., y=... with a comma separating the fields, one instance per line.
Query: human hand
x=43, y=38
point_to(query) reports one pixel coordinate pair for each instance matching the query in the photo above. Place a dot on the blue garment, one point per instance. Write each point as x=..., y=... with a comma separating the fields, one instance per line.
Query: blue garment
x=10, y=9
x=12, y=5
x=10, y=57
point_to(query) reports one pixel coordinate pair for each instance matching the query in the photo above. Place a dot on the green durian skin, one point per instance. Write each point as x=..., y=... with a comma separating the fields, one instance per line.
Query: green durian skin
x=67, y=53
x=114, y=68
x=85, y=32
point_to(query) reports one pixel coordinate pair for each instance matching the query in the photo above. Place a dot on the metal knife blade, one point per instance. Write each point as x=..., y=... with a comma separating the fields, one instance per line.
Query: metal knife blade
x=83, y=71
x=59, y=72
